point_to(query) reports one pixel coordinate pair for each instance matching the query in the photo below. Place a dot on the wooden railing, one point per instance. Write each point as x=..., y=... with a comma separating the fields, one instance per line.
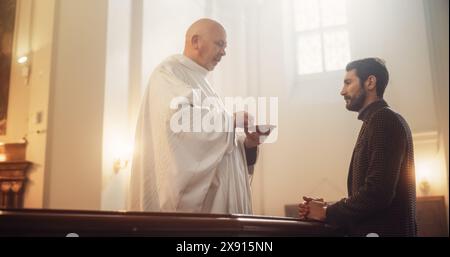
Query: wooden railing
x=28, y=222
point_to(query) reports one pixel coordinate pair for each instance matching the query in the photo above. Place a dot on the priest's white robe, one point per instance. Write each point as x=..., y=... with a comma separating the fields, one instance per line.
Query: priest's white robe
x=186, y=171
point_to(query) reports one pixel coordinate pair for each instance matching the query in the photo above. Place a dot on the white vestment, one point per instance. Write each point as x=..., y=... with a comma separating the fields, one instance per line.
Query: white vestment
x=185, y=171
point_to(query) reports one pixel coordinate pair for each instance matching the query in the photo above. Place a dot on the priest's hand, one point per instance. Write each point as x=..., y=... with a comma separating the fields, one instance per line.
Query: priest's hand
x=243, y=119
x=253, y=139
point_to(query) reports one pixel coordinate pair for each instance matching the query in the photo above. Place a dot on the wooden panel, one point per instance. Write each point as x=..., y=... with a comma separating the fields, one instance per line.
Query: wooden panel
x=7, y=20
x=15, y=151
x=27, y=222
x=431, y=216
x=12, y=183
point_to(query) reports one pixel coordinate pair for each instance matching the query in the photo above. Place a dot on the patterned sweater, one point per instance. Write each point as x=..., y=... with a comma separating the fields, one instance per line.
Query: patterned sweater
x=381, y=181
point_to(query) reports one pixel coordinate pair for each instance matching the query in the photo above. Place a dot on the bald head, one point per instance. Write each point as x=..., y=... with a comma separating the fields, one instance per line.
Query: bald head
x=203, y=27
x=205, y=43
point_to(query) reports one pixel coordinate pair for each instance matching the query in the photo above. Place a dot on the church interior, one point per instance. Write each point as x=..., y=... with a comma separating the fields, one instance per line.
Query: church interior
x=76, y=70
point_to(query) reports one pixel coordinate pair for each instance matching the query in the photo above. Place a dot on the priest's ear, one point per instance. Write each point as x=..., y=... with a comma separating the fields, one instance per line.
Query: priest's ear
x=195, y=40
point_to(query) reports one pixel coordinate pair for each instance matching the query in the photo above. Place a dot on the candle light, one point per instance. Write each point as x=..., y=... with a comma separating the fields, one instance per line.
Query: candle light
x=2, y=152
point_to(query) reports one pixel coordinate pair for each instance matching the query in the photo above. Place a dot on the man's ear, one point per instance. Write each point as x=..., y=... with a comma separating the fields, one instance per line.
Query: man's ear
x=371, y=83
x=195, y=41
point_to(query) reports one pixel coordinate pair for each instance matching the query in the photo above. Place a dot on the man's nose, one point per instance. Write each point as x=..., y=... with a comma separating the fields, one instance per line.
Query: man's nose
x=223, y=53
x=343, y=92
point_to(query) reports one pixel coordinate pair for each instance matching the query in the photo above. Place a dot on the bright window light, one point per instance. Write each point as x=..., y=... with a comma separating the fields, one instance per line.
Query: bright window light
x=322, y=37
x=307, y=14
x=336, y=49
x=333, y=12
x=309, y=54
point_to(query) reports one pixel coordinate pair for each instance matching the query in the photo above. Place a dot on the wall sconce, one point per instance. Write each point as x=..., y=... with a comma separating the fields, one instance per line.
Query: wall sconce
x=424, y=186
x=423, y=177
x=119, y=164
x=120, y=152
x=25, y=72
x=22, y=59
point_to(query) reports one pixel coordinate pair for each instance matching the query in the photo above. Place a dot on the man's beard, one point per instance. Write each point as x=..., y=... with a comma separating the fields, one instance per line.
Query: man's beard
x=356, y=103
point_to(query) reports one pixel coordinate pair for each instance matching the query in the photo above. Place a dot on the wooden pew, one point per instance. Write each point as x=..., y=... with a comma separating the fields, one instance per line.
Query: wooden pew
x=60, y=223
